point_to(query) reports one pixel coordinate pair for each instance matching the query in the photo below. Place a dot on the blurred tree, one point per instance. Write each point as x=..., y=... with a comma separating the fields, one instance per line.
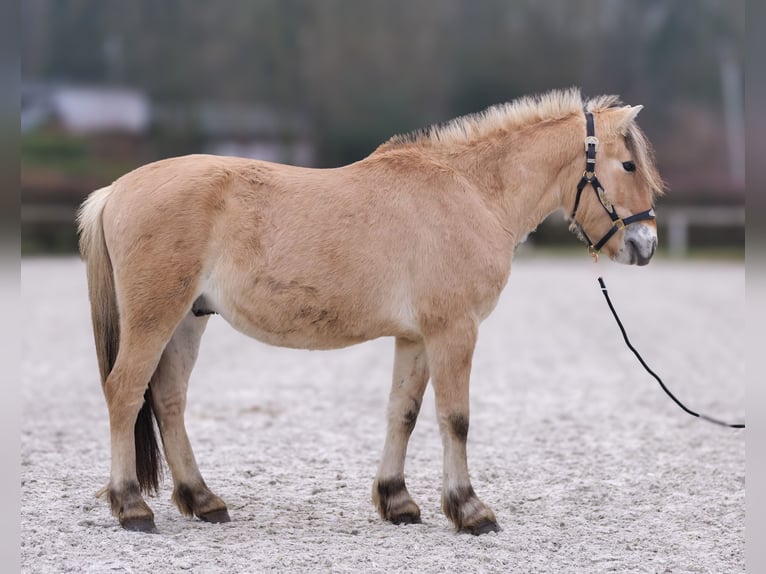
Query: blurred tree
x=362, y=71
x=373, y=69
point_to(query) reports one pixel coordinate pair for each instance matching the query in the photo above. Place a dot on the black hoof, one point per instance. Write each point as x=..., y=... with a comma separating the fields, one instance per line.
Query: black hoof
x=216, y=516
x=140, y=525
x=406, y=519
x=483, y=527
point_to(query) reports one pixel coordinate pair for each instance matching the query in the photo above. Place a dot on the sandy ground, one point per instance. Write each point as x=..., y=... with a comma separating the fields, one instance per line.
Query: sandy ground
x=588, y=466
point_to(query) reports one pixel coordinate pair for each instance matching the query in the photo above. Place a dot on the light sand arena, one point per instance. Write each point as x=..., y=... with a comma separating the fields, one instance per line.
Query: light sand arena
x=588, y=466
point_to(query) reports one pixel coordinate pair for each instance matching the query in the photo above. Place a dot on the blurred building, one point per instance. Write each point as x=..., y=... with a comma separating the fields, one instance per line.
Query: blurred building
x=84, y=109
x=77, y=138
x=114, y=120
x=243, y=130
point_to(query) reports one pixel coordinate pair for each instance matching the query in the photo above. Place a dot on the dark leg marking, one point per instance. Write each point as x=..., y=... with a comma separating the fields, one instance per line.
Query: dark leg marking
x=130, y=509
x=389, y=488
x=183, y=497
x=201, y=502
x=453, y=504
x=459, y=426
x=402, y=511
x=454, y=500
x=411, y=417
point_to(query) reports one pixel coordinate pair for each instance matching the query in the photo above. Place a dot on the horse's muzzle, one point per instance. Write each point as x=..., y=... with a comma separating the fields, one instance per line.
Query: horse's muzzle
x=637, y=256
x=641, y=242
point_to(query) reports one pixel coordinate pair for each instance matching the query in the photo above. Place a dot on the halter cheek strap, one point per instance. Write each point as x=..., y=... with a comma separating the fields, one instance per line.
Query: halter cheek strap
x=589, y=178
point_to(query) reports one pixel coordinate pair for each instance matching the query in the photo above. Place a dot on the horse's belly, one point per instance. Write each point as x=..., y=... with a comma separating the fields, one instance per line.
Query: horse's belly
x=297, y=335
x=291, y=334
x=294, y=318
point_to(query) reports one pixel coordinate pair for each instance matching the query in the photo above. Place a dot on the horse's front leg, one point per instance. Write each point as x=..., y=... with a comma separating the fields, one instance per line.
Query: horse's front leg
x=450, y=353
x=389, y=493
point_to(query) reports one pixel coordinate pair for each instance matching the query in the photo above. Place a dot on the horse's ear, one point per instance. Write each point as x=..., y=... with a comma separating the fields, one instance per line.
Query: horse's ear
x=626, y=115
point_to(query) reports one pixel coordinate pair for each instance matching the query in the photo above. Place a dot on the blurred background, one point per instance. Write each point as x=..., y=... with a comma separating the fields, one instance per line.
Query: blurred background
x=109, y=85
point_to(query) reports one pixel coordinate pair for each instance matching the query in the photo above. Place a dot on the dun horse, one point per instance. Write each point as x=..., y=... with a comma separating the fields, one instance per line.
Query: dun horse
x=414, y=242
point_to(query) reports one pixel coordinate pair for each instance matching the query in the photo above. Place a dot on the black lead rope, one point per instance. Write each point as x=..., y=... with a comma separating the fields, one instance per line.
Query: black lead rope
x=652, y=373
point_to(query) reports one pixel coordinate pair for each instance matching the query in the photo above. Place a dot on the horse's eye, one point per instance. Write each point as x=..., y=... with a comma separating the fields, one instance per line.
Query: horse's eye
x=629, y=166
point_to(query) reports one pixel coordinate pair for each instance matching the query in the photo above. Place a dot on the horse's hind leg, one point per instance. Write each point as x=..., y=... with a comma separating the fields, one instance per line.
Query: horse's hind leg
x=450, y=354
x=151, y=307
x=169, y=385
x=389, y=493
x=124, y=390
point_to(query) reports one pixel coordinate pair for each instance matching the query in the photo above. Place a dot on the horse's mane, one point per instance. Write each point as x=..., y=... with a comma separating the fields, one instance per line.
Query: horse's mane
x=514, y=114
x=524, y=111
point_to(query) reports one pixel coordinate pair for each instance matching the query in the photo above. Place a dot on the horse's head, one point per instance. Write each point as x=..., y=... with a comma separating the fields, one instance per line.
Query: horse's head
x=613, y=209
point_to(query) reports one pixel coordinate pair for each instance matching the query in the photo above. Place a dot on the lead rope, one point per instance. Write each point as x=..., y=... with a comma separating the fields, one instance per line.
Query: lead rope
x=652, y=373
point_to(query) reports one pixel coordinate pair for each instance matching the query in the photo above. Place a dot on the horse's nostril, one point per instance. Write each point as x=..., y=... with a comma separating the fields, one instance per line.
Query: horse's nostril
x=637, y=254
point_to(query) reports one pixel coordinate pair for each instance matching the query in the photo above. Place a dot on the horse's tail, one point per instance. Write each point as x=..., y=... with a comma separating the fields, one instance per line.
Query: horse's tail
x=106, y=329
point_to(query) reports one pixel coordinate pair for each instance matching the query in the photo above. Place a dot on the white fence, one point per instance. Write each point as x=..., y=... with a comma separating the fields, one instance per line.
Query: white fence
x=675, y=221
x=678, y=220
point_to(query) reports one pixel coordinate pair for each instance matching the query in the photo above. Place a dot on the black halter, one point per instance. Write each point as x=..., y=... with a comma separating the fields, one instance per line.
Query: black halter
x=589, y=177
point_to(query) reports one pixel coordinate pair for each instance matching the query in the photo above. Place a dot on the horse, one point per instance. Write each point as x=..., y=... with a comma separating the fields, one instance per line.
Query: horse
x=415, y=242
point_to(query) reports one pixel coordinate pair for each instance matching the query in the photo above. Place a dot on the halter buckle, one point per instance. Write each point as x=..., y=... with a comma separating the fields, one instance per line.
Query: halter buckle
x=619, y=223
x=591, y=140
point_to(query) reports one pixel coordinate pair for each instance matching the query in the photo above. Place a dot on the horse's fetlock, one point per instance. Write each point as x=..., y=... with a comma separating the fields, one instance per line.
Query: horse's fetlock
x=198, y=500
x=467, y=513
x=183, y=499
x=393, y=502
x=129, y=507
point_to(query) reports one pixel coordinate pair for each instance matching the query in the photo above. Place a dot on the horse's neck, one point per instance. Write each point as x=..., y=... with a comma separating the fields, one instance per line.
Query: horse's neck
x=526, y=175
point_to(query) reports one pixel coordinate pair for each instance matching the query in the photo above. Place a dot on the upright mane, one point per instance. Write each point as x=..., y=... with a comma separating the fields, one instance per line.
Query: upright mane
x=518, y=113
x=525, y=111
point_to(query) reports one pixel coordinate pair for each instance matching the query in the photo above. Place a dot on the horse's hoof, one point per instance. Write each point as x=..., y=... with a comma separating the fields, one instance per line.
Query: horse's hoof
x=140, y=525
x=408, y=518
x=216, y=516
x=484, y=527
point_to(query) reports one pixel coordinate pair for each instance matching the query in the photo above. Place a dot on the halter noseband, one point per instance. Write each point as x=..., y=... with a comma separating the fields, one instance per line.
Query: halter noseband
x=589, y=177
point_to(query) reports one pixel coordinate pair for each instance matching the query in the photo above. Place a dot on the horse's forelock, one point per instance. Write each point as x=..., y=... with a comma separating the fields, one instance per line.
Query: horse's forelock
x=605, y=102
